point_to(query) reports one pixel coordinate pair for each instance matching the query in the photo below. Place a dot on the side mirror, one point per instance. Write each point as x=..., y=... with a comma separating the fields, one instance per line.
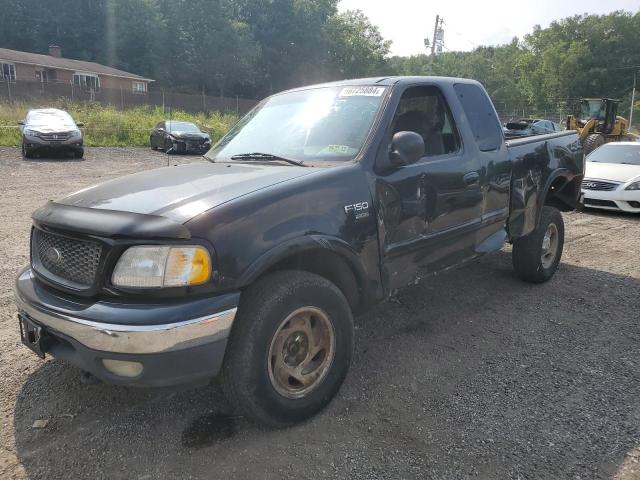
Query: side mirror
x=406, y=148
x=160, y=129
x=80, y=124
x=20, y=122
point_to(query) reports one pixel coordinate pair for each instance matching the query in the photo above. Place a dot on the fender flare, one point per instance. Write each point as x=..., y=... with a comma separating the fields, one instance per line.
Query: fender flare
x=303, y=244
x=565, y=173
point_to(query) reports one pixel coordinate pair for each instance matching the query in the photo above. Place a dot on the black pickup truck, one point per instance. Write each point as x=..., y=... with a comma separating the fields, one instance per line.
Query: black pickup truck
x=319, y=203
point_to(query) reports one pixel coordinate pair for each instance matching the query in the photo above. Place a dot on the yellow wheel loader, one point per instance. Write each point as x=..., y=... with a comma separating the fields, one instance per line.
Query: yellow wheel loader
x=599, y=123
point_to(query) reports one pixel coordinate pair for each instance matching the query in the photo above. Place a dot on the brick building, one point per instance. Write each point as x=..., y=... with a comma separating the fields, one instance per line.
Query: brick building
x=16, y=67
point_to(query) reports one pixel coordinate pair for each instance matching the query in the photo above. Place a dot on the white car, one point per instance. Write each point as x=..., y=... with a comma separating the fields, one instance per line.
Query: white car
x=612, y=177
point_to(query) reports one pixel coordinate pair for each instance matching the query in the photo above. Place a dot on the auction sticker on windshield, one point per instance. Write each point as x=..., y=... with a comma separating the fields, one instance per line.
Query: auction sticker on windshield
x=361, y=92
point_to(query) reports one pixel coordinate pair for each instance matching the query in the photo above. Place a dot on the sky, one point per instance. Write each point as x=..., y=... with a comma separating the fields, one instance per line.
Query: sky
x=469, y=23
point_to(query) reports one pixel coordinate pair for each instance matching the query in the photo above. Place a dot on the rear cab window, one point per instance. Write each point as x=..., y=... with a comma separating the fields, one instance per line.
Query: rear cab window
x=481, y=115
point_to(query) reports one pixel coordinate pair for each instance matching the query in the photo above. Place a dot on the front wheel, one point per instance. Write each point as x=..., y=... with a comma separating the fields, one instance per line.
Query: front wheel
x=26, y=153
x=536, y=257
x=289, y=350
x=169, y=146
x=592, y=142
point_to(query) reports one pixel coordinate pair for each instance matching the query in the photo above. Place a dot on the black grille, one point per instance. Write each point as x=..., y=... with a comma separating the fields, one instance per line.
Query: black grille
x=600, y=203
x=598, y=185
x=65, y=260
x=55, y=137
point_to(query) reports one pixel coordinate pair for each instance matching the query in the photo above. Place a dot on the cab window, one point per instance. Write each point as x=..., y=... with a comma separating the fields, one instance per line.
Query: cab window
x=424, y=111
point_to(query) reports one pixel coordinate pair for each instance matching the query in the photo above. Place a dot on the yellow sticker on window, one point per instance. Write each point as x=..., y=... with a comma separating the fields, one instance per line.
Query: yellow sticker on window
x=336, y=149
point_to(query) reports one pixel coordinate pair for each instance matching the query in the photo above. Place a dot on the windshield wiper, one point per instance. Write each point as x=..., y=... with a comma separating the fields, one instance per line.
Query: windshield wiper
x=267, y=157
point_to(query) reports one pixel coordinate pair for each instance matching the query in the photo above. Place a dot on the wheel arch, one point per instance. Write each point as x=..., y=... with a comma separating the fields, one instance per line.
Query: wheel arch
x=329, y=257
x=561, y=191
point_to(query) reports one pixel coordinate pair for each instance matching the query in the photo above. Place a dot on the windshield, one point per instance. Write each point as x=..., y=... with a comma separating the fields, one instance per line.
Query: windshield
x=329, y=123
x=593, y=109
x=50, y=119
x=181, y=127
x=627, y=154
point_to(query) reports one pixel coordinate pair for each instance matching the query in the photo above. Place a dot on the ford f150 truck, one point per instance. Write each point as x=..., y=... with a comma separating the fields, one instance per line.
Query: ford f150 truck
x=320, y=202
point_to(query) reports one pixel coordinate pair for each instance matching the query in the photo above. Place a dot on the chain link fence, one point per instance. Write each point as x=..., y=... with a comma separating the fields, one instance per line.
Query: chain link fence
x=40, y=93
x=508, y=113
x=511, y=115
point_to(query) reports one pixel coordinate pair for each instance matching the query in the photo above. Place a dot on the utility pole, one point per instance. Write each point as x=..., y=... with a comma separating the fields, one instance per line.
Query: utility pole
x=438, y=39
x=633, y=97
x=435, y=33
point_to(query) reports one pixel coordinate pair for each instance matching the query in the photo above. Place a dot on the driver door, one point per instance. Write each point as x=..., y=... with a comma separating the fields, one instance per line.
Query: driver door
x=428, y=211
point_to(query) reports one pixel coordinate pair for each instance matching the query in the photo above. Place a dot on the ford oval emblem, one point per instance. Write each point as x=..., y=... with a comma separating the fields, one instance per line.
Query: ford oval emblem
x=53, y=255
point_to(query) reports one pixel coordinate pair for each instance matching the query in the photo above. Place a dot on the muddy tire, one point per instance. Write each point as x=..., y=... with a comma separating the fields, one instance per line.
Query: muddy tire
x=536, y=257
x=289, y=350
x=592, y=142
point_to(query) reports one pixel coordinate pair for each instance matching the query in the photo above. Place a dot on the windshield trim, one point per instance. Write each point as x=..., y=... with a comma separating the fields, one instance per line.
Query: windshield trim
x=366, y=144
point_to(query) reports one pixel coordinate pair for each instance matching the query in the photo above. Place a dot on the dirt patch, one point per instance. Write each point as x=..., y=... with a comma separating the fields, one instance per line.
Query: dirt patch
x=471, y=374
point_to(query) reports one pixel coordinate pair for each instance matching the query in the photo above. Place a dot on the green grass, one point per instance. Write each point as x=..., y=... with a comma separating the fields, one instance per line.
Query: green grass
x=106, y=126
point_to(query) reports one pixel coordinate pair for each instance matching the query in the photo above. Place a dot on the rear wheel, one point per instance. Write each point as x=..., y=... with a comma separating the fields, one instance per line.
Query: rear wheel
x=289, y=350
x=592, y=142
x=536, y=257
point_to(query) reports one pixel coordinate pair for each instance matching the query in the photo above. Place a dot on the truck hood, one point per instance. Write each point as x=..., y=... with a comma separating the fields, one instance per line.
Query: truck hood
x=182, y=192
x=618, y=172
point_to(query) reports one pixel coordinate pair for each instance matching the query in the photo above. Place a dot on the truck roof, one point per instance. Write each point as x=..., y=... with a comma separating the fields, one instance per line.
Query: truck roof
x=385, y=81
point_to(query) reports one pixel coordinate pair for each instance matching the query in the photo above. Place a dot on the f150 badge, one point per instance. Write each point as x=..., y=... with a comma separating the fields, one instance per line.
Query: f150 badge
x=359, y=210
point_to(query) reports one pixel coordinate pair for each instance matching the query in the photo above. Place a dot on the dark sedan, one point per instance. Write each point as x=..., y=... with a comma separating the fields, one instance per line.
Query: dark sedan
x=179, y=137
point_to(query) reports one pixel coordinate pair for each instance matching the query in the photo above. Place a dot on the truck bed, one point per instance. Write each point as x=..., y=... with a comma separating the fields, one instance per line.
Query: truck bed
x=538, y=162
x=516, y=142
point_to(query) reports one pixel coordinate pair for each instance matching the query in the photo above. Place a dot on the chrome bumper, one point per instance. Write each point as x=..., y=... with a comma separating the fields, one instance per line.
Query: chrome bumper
x=130, y=339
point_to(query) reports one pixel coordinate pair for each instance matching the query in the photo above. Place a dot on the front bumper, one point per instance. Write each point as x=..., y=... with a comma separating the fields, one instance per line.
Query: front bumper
x=190, y=146
x=176, y=343
x=618, y=200
x=37, y=143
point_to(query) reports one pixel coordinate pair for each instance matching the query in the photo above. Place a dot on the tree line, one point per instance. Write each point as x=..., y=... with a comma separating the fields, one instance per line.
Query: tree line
x=550, y=68
x=255, y=47
x=231, y=47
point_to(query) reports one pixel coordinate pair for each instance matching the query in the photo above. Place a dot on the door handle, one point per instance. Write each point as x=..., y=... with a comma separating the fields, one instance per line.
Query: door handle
x=471, y=178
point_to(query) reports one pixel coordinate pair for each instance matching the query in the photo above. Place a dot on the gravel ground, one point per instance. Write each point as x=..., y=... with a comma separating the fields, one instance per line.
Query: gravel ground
x=471, y=375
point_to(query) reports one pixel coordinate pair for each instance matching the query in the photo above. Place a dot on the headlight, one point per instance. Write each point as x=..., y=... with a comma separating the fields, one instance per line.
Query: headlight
x=154, y=266
x=634, y=186
x=76, y=133
x=30, y=133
